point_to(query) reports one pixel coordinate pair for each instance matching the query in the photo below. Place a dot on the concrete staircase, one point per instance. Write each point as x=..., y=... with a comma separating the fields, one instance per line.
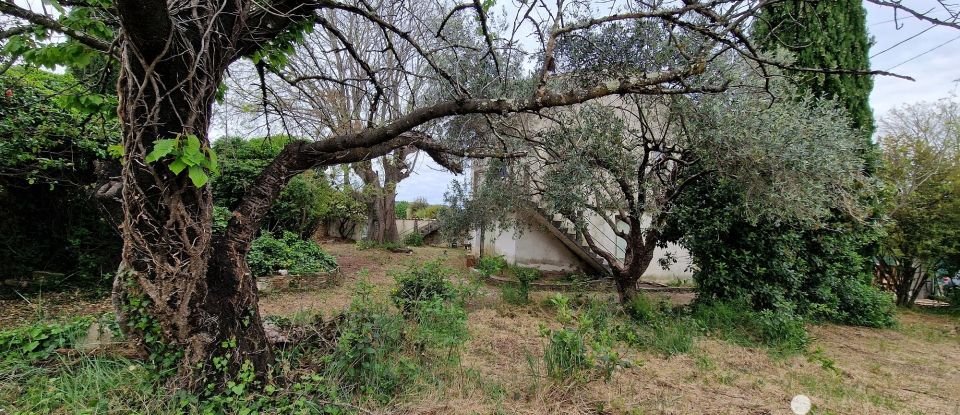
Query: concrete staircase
x=429, y=228
x=566, y=232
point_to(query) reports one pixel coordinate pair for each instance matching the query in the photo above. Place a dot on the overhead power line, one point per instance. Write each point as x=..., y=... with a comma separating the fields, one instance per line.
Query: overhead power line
x=902, y=41
x=923, y=53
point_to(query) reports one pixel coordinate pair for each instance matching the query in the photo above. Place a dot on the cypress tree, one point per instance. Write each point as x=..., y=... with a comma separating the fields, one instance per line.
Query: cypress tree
x=824, y=34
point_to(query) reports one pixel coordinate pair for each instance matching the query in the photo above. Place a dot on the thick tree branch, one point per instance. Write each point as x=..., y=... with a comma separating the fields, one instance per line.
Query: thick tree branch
x=10, y=9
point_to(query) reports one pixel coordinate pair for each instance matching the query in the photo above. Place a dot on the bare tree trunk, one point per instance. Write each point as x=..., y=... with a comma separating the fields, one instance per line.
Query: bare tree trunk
x=382, y=219
x=382, y=197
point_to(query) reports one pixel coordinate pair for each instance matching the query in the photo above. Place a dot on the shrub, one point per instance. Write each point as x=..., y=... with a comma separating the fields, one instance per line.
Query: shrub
x=952, y=296
x=420, y=283
x=221, y=218
x=565, y=355
x=400, y=209
x=642, y=309
x=781, y=330
x=864, y=305
x=441, y=324
x=308, y=199
x=512, y=294
x=39, y=341
x=491, y=265
x=368, y=359
x=364, y=244
x=413, y=239
x=821, y=272
x=519, y=293
x=269, y=254
x=668, y=337
x=429, y=212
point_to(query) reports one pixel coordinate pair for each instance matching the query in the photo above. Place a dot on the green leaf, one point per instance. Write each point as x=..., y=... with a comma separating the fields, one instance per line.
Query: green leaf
x=177, y=166
x=211, y=162
x=192, y=157
x=161, y=148
x=193, y=143
x=56, y=5
x=116, y=150
x=198, y=176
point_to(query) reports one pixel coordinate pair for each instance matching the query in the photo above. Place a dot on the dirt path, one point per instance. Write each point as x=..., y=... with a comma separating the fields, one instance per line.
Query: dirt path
x=49, y=306
x=371, y=265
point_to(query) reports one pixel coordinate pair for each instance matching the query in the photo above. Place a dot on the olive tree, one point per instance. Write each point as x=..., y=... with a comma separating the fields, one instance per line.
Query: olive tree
x=625, y=162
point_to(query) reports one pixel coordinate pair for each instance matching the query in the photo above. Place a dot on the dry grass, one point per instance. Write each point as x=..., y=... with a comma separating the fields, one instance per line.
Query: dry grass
x=911, y=369
x=850, y=370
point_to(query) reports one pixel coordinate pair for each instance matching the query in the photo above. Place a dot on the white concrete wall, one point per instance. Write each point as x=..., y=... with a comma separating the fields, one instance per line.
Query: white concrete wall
x=539, y=248
x=681, y=270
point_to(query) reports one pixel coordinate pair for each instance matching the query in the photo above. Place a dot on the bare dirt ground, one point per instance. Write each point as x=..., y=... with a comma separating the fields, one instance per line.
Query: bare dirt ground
x=49, y=306
x=911, y=369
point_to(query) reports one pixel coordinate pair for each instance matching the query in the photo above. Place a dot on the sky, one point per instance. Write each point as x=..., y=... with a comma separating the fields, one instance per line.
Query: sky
x=935, y=72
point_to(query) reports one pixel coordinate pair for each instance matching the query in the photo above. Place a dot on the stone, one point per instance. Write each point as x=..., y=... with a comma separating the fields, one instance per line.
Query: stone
x=96, y=337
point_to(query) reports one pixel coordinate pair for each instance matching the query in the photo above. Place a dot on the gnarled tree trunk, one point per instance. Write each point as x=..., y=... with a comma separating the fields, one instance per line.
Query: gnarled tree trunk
x=382, y=196
x=195, y=293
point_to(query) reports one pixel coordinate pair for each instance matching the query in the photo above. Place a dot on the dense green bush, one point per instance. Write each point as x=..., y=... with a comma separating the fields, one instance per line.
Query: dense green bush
x=400, y=209
x=269, y=254
x=428, y=212
x=823, y=273
x=365, y=244
x=441, y=324
x=642, y=309
x=519, y=292
x=368, y=358
x=491, y=265
x=306, y=201
x=779, y=329
x=565, y=355
x=421, y=283
x=380, y=353
x=53, y=156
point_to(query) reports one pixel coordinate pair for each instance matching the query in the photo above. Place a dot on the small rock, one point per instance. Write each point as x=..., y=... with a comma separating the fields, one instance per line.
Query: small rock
x=96, y=337
x=264, y=285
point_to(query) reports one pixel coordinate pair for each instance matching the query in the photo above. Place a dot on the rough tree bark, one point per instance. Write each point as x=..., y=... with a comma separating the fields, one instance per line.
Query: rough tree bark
x=172, y=63
x=382, y=196
x=638, y=254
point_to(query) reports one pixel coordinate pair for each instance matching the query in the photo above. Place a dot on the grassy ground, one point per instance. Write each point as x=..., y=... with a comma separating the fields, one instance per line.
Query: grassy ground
x=911, y=369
